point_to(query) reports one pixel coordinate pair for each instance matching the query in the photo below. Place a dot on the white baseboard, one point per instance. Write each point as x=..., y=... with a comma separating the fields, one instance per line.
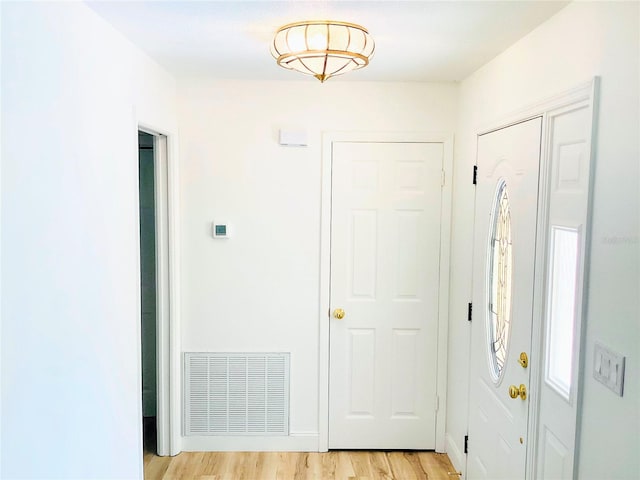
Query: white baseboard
x=458, y=459
x=294, y=442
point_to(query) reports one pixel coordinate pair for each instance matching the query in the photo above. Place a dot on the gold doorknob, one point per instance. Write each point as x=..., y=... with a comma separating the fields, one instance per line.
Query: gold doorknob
x=515, y=392
x=338, y=313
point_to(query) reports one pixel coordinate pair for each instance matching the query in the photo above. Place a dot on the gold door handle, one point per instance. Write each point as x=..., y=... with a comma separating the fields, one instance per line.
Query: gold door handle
x=338, y=313
x=523, y=360
x=515, y=392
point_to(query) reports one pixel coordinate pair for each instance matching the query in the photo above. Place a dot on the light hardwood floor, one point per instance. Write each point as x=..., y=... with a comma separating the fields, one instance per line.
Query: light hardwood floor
x=335, y=465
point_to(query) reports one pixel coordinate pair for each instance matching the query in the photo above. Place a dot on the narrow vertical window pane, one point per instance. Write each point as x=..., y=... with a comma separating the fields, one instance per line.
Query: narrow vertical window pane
x=561, y=307
x=499, y=281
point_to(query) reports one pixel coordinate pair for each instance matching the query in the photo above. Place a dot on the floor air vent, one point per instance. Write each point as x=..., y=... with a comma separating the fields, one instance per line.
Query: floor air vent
x=236, y=394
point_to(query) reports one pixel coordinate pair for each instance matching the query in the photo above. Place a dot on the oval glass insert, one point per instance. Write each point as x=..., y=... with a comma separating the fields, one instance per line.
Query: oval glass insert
x=499, y=281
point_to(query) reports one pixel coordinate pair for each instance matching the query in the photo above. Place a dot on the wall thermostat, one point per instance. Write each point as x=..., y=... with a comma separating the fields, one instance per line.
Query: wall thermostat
x=220, y=230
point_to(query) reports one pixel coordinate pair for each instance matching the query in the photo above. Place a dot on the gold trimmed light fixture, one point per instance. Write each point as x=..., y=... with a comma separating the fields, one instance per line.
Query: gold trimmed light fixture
x=322, y=48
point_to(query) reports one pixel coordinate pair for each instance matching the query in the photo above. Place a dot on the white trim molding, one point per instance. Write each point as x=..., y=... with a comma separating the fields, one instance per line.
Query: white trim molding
x=294, y=442
x=456, y=456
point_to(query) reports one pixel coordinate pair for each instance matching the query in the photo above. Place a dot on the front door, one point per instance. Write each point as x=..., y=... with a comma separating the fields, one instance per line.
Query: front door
x=385, y=250
x=503, y=281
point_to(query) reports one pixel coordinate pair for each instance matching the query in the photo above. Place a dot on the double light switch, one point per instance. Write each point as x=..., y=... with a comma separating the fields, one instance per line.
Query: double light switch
x=608, y=368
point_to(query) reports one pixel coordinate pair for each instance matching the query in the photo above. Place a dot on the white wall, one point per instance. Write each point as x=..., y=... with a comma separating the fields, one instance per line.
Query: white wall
x=71, y=400
x=259, y=291
x=583, y=40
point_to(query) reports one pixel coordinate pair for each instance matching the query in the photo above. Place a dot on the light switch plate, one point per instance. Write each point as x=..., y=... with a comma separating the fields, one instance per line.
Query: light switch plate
x=608, y=368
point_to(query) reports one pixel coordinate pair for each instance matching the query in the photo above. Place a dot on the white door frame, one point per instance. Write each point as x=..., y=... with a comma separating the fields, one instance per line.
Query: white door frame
x=584, y=94
x=167, y=292
x=325, y=266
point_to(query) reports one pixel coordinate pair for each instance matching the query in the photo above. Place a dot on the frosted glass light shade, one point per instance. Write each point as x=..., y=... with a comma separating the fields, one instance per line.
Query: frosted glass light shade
x=322, y=48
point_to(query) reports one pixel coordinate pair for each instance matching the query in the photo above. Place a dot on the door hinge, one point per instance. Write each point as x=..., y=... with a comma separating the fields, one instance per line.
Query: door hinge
x=442, y=181
x=466, y=444
x=437, y=403
x=470, y=312
x=475, y=174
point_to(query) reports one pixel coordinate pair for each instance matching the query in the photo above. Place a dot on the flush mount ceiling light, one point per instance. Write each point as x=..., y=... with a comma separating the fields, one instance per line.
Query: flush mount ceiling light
x=322, y=48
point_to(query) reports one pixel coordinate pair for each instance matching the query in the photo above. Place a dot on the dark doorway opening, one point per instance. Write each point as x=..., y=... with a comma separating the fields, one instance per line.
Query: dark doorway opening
x=147, y=202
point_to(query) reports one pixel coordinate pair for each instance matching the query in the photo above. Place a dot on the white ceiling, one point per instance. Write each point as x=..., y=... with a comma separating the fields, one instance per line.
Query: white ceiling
x=415, y=40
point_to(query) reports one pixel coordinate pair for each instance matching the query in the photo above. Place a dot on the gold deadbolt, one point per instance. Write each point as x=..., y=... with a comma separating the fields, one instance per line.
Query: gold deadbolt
x=338, y=313
x=515, y=392
x=523, y=360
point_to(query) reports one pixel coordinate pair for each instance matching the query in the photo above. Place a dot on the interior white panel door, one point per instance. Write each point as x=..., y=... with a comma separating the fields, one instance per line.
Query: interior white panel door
x=385, y=250
x=503, y=282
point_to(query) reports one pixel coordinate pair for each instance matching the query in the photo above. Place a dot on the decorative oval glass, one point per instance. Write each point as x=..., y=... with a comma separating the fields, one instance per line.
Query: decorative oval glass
x=499, y=282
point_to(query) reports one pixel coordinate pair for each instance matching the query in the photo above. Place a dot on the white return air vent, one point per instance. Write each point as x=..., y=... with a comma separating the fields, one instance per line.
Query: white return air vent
x=236, y=393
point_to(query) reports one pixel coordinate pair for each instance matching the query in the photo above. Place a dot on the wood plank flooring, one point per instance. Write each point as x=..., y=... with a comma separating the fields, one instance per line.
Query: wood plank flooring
x=334, y=465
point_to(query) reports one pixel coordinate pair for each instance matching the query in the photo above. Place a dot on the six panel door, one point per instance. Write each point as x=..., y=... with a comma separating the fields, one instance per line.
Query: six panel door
x=385, y=250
